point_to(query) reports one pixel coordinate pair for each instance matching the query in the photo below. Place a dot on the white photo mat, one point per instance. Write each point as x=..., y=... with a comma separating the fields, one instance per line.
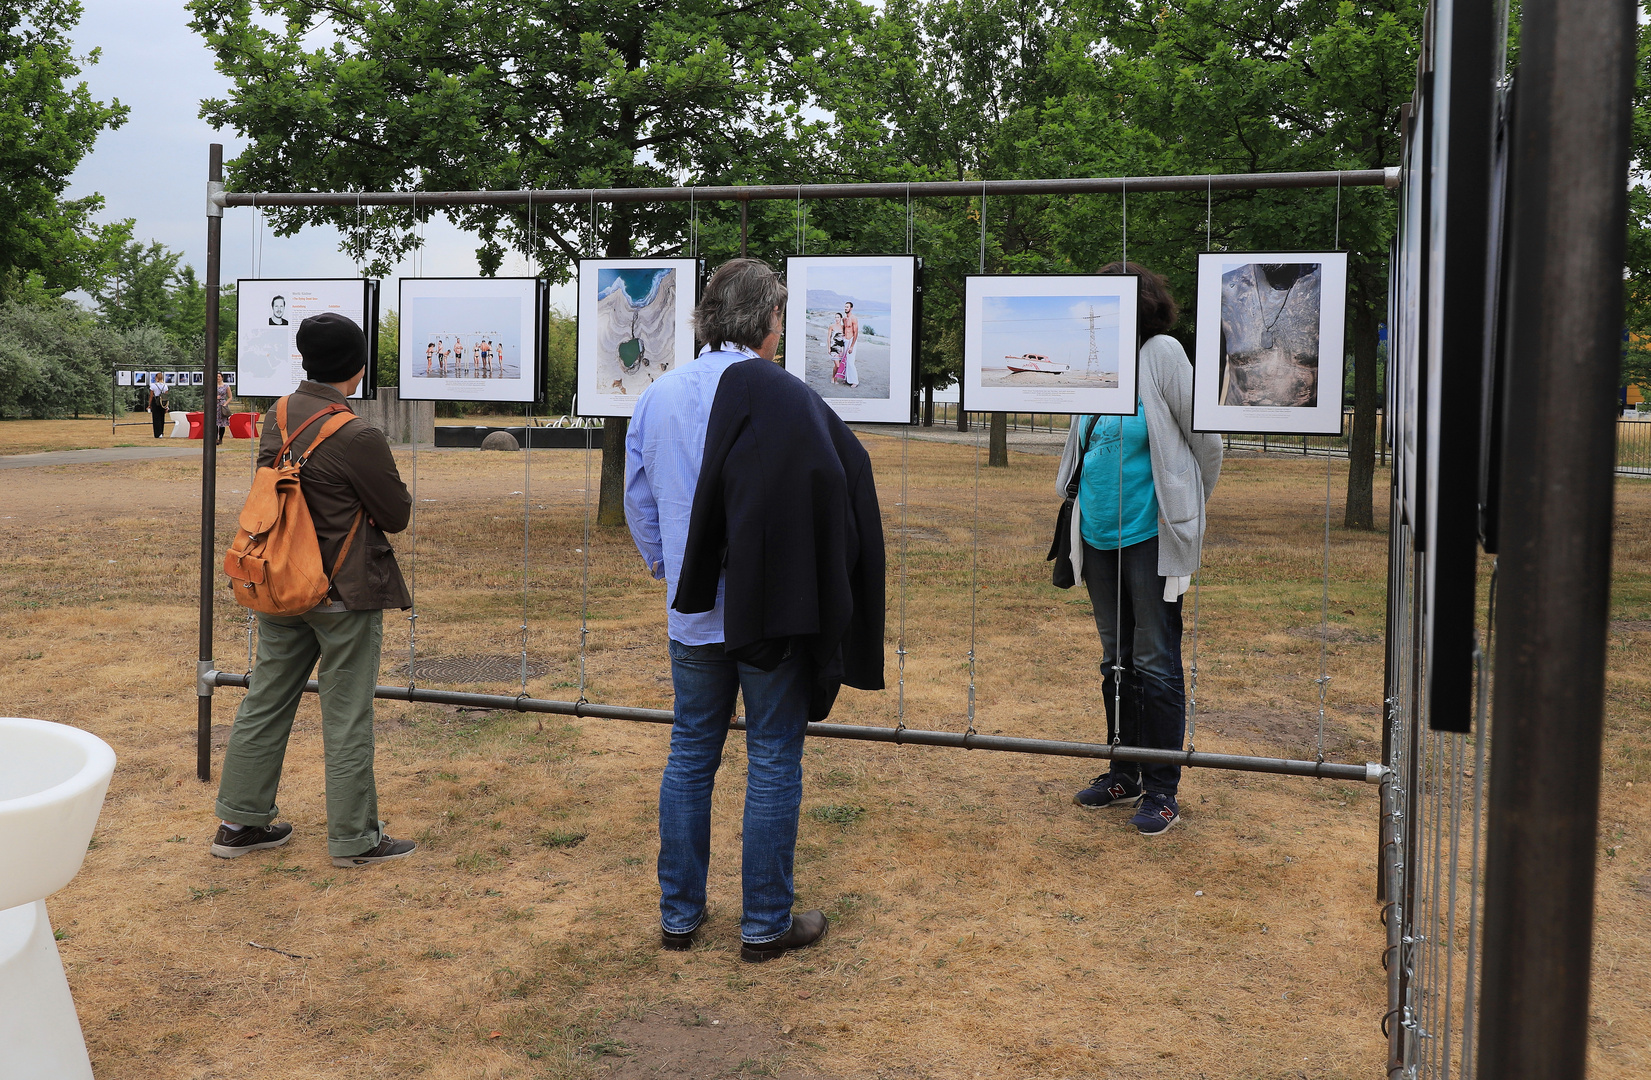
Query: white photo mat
x=1294, y=388
x=634, y=326
x=470, y=339
x=1051, y=343
x=268, y=312
x=851, y=332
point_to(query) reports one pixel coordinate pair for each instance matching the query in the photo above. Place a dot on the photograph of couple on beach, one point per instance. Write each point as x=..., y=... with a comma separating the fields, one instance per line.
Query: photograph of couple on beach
x=849, y=332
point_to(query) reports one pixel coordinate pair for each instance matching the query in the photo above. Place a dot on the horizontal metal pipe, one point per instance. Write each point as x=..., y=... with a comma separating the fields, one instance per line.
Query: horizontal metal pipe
x=1369, y=773
x=1100, y=185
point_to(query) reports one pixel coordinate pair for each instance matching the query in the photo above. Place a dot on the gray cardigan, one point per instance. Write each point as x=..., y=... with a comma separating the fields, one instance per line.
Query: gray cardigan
x=1185, y=464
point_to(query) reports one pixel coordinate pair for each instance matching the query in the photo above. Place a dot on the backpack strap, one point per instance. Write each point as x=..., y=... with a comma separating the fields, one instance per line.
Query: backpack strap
x=327, y=430
x=349, y=538
x=287, y=440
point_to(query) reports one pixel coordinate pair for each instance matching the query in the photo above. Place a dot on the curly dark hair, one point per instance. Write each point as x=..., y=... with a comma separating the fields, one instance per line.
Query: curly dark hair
x=1157, y=307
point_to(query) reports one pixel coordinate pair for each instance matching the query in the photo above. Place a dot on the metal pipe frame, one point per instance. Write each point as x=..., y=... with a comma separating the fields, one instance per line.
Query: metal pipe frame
x=1370, y=773
x=927, y=189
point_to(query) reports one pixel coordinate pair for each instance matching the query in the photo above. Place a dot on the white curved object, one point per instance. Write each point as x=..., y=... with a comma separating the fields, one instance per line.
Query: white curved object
x=52, y=782
x=180, y=425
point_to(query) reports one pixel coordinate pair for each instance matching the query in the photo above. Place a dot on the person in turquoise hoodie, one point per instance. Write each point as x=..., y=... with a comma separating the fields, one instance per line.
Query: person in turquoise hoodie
x=1140, y=522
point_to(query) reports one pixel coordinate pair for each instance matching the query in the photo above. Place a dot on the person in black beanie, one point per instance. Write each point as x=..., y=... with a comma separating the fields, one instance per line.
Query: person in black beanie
x=354, y=495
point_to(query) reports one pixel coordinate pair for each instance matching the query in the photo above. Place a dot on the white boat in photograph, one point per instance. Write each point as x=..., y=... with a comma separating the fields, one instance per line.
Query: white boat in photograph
x=1035, y=362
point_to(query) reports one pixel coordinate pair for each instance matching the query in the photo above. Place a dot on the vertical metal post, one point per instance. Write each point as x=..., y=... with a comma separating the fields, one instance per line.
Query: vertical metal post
x=1568, y=207
x=209, y=465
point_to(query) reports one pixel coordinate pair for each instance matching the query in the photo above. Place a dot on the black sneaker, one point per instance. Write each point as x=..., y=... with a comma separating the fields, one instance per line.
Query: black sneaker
x=233, y=843
x=1108, y=789
x=1156, y=815
x=386, y=850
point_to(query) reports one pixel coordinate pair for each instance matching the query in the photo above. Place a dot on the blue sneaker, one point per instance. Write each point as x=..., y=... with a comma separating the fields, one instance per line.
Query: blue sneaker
x=1156, y=815
x=1109, y=789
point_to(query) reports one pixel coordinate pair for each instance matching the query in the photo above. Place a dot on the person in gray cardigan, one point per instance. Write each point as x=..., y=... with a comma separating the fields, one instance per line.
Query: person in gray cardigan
x=1138, y=533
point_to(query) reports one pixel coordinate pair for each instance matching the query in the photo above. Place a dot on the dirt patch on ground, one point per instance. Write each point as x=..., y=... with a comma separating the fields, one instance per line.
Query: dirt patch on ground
x=1331, y=633
x=688, y=1043
x=1294, y=735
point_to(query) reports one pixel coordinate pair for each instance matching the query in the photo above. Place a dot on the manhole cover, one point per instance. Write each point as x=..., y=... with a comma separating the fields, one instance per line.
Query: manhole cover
x=474, y=669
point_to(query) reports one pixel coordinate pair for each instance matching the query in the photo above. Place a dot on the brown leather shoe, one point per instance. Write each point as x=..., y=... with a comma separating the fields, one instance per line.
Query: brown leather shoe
x=806, y=929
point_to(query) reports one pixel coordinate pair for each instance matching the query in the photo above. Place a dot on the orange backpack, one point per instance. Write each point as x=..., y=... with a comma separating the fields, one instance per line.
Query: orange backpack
x=275, y=565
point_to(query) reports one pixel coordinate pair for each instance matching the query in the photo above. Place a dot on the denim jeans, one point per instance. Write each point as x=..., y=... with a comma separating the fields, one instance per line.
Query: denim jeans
x=776, y=717
x=1152, y=696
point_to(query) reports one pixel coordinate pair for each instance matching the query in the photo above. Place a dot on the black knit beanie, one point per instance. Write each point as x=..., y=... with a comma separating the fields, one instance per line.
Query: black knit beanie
x=333, y=347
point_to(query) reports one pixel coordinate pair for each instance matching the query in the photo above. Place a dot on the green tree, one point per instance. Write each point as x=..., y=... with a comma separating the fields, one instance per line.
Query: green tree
x=468, y=94
x=48, y=122
x=389, y=348
x=140, y=287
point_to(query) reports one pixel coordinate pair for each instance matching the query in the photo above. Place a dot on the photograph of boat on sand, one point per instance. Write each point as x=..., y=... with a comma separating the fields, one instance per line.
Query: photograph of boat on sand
x=850, y=332
x=1050, y=343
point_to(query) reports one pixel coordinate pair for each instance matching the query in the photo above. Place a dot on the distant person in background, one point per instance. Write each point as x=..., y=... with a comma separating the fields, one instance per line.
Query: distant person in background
x=224, y=396
x=157, y=403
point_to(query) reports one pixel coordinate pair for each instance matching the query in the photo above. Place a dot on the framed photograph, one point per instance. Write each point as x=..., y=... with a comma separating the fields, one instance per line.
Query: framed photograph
x=1062, y=343
x=123, y=378
x=269, y=311
x=634, y=325
x=472, y=339
x=1270, y=342
x=172, y=378
x=851, y=332
x=197, y=378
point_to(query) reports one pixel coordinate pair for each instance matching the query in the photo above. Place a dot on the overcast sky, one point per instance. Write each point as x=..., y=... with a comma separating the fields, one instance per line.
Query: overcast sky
x=153, y=169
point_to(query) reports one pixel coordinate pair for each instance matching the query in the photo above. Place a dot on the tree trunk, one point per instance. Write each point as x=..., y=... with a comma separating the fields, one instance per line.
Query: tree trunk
x=1361, y=445
x=610, y=505
x=962, y=417
x=998, y=452
x=928, y=401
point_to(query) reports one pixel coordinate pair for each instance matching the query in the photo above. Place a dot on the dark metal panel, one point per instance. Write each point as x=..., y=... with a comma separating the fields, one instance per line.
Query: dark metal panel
x=1566, y=237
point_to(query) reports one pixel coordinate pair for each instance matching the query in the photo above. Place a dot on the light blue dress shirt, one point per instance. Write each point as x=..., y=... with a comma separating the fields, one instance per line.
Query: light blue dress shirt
x=663, y=453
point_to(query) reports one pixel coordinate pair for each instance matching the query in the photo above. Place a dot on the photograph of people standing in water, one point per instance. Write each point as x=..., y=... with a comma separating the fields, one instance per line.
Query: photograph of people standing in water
x=849, y=332
x=1269, y=347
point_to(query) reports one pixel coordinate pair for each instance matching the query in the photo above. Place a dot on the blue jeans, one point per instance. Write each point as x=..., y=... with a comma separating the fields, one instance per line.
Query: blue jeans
x=1153, y=694
x=776, y=717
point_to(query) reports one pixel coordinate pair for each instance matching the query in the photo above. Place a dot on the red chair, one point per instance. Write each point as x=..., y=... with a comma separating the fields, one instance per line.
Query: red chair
x=243, y=425
x=197, y=425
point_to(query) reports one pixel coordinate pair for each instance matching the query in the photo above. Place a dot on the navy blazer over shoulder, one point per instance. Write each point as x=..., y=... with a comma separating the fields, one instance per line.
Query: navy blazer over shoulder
x=787, y=506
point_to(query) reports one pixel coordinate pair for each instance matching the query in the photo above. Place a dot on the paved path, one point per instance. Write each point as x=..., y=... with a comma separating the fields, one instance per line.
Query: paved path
x=99, y=457
x=1022, y=442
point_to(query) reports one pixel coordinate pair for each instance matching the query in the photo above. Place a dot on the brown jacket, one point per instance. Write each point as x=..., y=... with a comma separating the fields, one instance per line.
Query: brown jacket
x=351, y=471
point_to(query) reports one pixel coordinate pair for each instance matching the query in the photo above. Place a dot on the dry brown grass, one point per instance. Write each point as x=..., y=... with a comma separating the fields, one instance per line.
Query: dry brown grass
x=983, y=926
x=90, y=433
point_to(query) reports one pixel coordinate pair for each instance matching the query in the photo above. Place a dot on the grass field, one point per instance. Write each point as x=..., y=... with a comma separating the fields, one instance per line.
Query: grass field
x=983, y=926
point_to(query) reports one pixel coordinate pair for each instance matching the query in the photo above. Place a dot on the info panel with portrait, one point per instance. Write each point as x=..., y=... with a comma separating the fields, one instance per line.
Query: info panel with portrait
x=269, y=312
x=472, y=339
x=1269, y=354
x=635, y=324
x=851, y=332
x=1050, y=343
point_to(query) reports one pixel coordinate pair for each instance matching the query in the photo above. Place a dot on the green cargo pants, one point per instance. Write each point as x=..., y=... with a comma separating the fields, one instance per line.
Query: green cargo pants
x=347, y=644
